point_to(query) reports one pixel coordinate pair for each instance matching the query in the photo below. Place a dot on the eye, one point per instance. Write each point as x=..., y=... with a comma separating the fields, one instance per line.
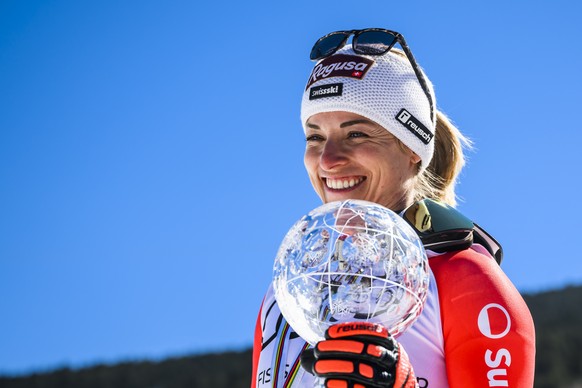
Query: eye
x=314, y=137
x=356, y=134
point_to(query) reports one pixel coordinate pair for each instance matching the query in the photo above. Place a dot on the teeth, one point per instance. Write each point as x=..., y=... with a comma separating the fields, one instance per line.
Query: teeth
x=339, y=184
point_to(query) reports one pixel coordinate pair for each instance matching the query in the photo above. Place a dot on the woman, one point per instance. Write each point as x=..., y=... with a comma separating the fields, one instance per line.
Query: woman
x=373, y=133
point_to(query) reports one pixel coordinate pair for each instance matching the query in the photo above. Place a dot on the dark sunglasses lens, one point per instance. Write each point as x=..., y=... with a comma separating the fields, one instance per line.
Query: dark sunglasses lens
x=374, y=42
x=327, y=46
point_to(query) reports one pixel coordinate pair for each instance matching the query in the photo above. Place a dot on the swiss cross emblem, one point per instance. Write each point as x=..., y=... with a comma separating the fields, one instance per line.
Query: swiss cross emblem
x=357, y=74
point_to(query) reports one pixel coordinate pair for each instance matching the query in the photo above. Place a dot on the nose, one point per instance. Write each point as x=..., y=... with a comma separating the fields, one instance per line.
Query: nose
x=333, y=155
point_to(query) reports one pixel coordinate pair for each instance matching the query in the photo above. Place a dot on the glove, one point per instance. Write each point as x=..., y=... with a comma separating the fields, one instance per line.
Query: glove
x=359, y=355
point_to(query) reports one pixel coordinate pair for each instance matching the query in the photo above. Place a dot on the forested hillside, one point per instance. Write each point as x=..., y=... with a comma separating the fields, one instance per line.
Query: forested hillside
x=557, y=315
x=558, y=319
x=232, y=369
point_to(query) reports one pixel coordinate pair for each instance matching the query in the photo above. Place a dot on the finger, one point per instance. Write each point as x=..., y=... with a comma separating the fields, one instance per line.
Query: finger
x=347, y=369
x=404, y=373
x=308, y=360
x=376, y=355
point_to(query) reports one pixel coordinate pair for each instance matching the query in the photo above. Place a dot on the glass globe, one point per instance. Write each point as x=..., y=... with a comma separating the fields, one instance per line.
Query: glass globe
x=350, y=261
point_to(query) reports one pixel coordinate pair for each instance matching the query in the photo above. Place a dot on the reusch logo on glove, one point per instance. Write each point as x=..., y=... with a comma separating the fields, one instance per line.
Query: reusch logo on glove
x=414, y=126
x=357, y=328
x=340, y=65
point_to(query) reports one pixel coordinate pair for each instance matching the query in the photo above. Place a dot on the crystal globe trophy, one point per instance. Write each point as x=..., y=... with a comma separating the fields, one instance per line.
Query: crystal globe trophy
x=350, y=261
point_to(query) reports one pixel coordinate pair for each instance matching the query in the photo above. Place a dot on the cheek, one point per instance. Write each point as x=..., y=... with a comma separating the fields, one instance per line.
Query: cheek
x=312, y=158
x=311, y=166
x=309, y=162
x=396, y=167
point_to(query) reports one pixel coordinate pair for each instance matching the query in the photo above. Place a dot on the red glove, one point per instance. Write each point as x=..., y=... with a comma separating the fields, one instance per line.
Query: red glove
x=359, y=355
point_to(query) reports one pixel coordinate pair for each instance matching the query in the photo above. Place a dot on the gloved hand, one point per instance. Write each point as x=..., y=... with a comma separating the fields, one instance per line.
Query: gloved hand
x=357, y=355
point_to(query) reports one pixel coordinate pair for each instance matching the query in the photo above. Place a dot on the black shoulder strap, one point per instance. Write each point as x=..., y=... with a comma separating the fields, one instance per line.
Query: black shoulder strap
x=443, y=228
x=480, y=236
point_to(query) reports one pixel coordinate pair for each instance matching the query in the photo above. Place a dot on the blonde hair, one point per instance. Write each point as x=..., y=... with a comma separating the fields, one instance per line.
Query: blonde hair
x=438, y=180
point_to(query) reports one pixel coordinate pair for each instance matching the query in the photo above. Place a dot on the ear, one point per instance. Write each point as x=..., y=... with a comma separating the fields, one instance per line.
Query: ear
x=414, y=158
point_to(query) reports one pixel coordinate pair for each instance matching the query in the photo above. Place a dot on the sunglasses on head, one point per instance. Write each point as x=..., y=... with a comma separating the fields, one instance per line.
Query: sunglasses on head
x=370, y=41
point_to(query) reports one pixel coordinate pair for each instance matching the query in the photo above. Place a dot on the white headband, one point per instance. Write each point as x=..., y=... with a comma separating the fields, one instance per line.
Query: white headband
x=384, y=89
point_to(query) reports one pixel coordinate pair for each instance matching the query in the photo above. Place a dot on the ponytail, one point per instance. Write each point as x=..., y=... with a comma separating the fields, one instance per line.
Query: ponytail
x=438, y=180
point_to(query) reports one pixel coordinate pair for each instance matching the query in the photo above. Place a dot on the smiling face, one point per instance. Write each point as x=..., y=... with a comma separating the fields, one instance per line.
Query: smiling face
x=350, y=157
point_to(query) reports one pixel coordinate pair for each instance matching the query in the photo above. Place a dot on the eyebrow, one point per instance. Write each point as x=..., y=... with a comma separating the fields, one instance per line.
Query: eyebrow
x=345, y=124
x=355, y=122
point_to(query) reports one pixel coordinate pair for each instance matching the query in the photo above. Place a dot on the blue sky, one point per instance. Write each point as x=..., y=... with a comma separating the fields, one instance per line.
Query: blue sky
x=151, y=158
